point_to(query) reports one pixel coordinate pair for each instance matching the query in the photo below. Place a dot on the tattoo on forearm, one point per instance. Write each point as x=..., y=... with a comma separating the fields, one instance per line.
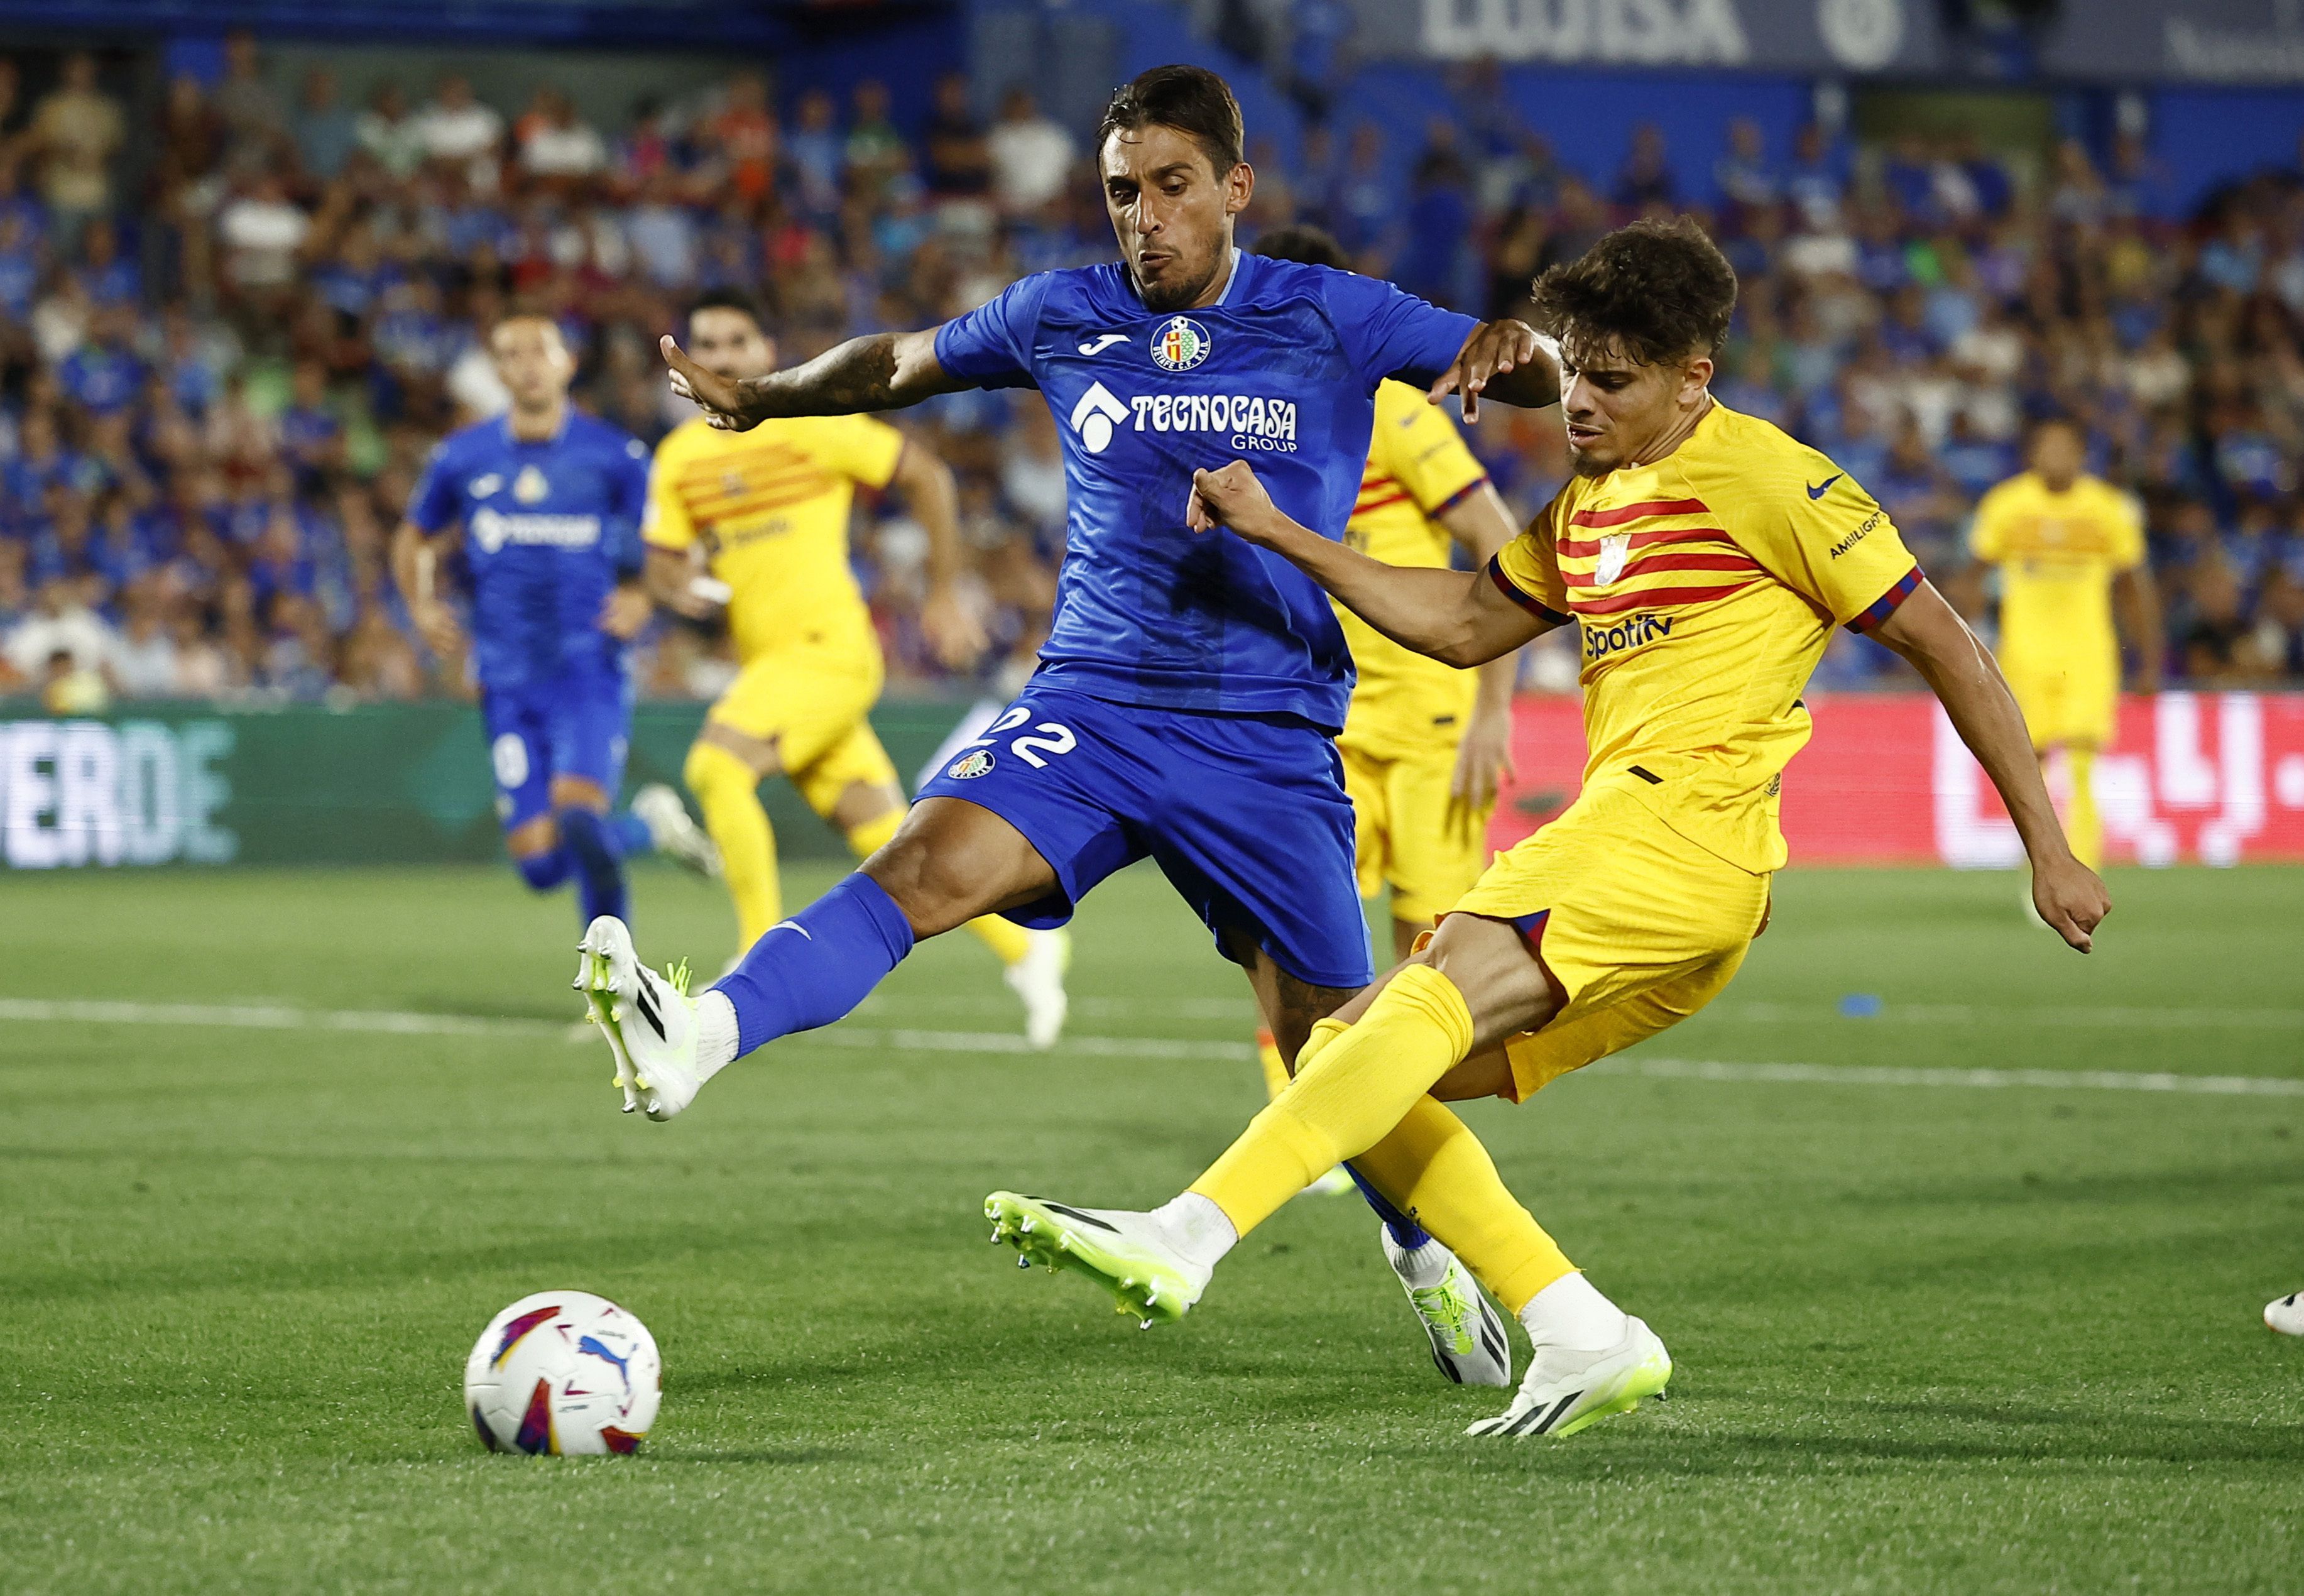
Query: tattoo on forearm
x=858, y=375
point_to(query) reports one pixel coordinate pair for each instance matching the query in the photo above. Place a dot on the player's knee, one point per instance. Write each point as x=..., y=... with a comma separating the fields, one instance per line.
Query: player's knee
x=863, y=803
x=710, y=766
x=935, y=891
x=1500, y=973
x=574, y=793
x=756, y=758
x=1482, y=1075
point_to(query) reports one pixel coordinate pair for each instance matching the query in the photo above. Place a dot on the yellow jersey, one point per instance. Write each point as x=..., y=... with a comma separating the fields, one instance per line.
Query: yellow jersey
x=1705, y=587
x=1418, y=466
x=771, y=507
x=2057, y=554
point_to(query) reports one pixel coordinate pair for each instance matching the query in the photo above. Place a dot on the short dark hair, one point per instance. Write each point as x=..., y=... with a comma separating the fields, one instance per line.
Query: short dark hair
x=1658, y=290
x=728, y=298
x=1308, y=246
x=1193, y=100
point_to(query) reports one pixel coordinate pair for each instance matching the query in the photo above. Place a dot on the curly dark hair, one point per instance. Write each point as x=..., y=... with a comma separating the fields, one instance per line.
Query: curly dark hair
x=1307, y=246
x=1656, y=290
x=1193, y=100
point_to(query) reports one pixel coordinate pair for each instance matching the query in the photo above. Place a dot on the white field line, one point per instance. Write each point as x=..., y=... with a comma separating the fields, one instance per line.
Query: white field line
x=262, y=1016
x=277, y=1017
x=1984, y=1014
x=880, y=1006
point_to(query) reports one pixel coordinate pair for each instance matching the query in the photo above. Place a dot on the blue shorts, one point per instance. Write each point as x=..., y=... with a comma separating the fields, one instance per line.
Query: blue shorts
x=1245, y=815
x=552, y=729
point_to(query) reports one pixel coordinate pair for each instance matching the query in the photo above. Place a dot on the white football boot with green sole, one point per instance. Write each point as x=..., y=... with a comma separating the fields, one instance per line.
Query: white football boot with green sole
x=648, y=1019
x=1122, y=1251
x=1564, y=1390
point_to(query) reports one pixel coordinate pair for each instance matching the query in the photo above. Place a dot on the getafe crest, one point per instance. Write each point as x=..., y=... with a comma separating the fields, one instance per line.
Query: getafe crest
x=1612, y=551
x=529, y=486
x=969, y=766
x=1180, y=345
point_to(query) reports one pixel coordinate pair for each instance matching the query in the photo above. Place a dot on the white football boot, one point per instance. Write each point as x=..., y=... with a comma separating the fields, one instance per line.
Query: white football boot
x=1469, y=1342
x=648, y=1019
x=1038, y=979
x=674, y=833
x=1125, y=1251
x=2286, y=1315
x=1564, y=1389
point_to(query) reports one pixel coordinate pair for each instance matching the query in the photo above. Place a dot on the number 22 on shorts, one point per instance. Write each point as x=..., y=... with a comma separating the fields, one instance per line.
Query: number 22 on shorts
x=1052, y=737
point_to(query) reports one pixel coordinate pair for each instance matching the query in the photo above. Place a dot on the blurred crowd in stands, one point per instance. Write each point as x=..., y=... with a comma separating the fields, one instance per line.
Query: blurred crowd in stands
x=233, y=325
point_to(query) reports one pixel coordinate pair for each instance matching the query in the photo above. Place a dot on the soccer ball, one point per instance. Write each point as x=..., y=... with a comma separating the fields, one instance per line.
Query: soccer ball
x=565, y=1372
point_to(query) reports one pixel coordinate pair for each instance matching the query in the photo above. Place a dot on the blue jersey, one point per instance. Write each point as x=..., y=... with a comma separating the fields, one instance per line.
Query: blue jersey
x=1282, y=371
x=550, y=528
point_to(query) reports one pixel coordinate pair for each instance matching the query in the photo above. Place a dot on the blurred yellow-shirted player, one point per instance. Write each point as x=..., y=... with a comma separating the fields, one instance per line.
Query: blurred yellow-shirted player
x=2062, y=541
x=767, y=511
x=1424, y=744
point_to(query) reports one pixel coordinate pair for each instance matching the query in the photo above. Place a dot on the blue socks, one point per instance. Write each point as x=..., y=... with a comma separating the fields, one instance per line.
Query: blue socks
x=591, y=841
x=592, y=848
x=1406, y=1231
x=813, y=968
x=543, y=872
x=630, y=832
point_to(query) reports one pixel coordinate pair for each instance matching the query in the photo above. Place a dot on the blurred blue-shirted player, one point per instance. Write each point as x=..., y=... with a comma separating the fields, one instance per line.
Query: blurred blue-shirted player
x=544, y=503
x=1190, y=686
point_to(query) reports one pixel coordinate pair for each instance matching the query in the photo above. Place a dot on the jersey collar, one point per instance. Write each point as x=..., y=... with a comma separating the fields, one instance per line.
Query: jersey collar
x=513, y=439
x=1231, y=280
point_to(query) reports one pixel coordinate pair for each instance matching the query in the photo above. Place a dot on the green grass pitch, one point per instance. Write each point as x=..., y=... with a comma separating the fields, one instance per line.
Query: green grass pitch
x=1930, y=1336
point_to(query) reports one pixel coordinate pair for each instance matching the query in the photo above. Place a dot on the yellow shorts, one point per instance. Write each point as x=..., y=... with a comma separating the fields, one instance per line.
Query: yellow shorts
x=1408, y=835
x=813, y=707
x=1636, y=925
x=2066, y=704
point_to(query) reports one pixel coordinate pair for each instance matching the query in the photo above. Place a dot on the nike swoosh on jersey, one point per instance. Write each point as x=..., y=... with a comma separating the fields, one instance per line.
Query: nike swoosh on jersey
x=1821, y=488
x=1103, y=343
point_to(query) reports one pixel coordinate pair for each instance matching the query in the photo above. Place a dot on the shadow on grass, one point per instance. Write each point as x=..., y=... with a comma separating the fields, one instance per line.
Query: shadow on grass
x=1956, y=1433
x=763, y=1456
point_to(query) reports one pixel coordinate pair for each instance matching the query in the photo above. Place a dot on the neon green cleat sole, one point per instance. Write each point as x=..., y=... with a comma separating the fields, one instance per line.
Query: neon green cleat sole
x=1649, y=1379
x=1146, y=1284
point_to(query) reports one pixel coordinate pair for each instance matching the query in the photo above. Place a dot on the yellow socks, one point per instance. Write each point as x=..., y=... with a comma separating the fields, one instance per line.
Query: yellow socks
x=868, y=837
x=1432, y=1167
x=727, y=790
x=1005, y=938
x=1275, y=1068
x=1349, y=1097
x=2083, y=827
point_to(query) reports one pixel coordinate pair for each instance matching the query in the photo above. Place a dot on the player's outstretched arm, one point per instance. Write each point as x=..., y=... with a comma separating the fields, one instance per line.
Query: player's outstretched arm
x=1929, y=633
x=883, y=371
x=1457, y=618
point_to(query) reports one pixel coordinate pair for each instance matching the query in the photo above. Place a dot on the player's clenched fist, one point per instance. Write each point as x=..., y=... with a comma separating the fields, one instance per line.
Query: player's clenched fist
x=1231, y=497
x=2069, y=896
